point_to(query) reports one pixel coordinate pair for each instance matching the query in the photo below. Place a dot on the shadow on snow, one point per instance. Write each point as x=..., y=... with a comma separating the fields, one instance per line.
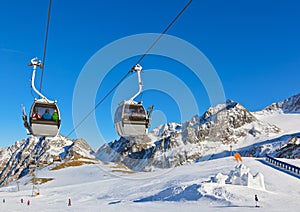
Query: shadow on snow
x=175, y=194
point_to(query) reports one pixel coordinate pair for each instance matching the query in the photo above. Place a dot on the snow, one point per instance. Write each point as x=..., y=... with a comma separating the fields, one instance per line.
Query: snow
x=289, y=123
x=242, y=176
x=186, y=188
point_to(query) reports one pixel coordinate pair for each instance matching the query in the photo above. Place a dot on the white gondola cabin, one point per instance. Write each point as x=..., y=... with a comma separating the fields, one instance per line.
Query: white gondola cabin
x=44, y=118
x=131, y=119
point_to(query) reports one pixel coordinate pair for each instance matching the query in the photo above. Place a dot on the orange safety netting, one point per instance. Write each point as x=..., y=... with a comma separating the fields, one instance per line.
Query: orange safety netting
x=238, y=157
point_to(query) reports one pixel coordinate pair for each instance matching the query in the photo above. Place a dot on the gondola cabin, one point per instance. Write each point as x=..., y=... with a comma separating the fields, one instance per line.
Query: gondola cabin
x=44, y=118
x=131, y=119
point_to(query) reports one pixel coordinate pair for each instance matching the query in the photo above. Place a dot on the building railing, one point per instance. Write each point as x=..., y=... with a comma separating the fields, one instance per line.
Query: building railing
x=283, y=165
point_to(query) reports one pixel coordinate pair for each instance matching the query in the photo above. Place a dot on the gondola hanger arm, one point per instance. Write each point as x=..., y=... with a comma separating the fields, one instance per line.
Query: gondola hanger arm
x=36, y=63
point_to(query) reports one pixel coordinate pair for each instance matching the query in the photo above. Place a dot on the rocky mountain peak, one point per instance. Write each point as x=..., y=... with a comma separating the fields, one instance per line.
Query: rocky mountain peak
x=16, y=159
x=183, y=143
x=290, y=105
x=232, y=112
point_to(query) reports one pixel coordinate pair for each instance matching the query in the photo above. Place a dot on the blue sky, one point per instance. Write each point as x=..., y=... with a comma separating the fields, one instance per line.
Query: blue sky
x=254, y=47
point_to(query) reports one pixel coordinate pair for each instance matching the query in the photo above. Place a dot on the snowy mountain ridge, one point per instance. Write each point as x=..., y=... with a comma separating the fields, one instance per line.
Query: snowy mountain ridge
x=289, y=105
x=17, y=159
x=175, y=144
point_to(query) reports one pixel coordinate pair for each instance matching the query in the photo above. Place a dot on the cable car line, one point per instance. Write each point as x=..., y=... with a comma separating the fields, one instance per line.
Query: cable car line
x=45, y=43
x=164, y=32
x=132, y=69
x=98, y=104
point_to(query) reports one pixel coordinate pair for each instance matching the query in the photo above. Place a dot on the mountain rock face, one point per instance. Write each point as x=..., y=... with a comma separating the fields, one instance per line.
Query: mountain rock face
x=16, y=159
x=175, y=144
x=284, y=146
x=290, y=105
x=289, y=150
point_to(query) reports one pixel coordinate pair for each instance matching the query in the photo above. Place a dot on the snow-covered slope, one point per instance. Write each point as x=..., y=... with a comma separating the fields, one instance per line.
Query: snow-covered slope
x=185, y=188
x=174, y=144
x=16, y=159
x=286, y=115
